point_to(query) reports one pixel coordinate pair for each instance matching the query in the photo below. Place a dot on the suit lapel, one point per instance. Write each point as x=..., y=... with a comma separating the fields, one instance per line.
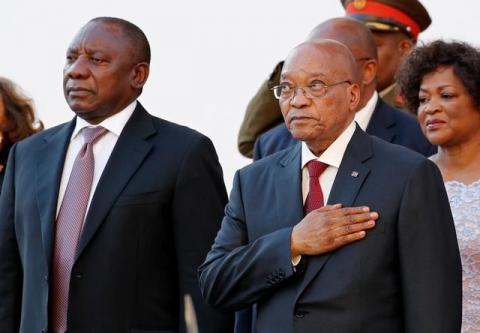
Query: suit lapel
x=348, y=182
x=51, y=158
x=382, y=123
x=288, y=188
x=130, y=151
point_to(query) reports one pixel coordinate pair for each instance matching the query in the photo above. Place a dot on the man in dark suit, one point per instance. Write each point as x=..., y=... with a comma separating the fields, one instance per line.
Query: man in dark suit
x=104, y=219
x=373, y=115
x=381, y=256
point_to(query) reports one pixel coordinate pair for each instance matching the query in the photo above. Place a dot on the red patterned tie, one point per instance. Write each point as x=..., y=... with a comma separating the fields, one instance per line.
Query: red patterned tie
x=315, y=196
x=69, y=227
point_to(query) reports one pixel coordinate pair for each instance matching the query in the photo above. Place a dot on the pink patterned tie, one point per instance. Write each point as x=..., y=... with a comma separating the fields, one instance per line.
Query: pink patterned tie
x=69, y=227
x=315, y=196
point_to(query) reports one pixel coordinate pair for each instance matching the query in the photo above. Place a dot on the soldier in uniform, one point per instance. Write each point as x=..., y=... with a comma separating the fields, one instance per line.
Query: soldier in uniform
x=395, y=25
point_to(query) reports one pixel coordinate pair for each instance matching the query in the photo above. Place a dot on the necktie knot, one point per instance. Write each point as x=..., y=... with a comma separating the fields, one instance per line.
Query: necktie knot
x=316, y=168
x=91, y=134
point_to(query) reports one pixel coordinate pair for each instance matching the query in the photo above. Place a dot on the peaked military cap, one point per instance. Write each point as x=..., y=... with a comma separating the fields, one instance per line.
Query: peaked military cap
x=408, y=16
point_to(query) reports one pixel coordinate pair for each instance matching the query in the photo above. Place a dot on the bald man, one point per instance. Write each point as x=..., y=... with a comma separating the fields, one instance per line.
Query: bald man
x=373, y=115
x=380, y=256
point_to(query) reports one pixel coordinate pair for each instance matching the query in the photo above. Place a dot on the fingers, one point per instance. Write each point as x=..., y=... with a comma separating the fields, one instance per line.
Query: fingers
x=327, y=208
x=347, y=239
x=337, y=210
x=349, y=233
x=354, y=219
x=334, y=216
x=353, y=228
x=354, y=210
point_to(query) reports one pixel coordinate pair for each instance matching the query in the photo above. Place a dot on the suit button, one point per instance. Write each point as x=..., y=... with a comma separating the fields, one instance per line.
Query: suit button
x=46, y=279
x=77, y=275
x=300, y=314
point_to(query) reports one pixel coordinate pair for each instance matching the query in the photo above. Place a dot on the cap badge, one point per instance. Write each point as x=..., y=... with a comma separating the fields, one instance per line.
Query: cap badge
x=359, y=4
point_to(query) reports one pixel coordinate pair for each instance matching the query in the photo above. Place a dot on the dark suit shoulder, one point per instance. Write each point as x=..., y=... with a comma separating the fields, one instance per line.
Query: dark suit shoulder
x=391, y=115
x=268, y=163
x=405, y=126
x=36, y=139
x=176, y=129
x=177, y=138
x=279, y=130
x=394, y=154
x=272, y=141
x=403, y=117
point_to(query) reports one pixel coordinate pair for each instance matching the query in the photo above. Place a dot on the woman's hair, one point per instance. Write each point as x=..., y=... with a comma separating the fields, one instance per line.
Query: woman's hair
x=19, y=114
x=425, y=59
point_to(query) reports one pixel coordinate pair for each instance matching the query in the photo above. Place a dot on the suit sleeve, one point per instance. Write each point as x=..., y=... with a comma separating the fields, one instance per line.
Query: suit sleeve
x=263, y=112
x=199, y=200
x=429, y=256
x=238, y=273
x=10, y=265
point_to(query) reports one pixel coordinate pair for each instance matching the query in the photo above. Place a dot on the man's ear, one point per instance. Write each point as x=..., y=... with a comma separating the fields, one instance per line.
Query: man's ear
x=140, y=74
x=369, y=71
x=354, y=91
x=405, y=46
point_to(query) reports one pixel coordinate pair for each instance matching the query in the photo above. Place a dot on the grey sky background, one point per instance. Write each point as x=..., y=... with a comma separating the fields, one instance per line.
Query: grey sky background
x=208, y=57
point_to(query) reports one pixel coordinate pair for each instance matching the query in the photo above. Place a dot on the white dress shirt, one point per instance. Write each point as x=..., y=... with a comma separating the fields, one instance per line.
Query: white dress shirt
x=363, y=116
x=102, y=149
x=332, y=156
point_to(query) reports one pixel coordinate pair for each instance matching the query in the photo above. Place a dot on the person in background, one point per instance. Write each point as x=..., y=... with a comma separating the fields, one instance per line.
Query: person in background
x=17, y=120
x=441, y=81
x=395, y=25
x=373, y=115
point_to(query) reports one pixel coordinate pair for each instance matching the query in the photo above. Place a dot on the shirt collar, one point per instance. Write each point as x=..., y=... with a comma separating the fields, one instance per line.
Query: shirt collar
x=114, y=124
x=333, y=155
x=363, y=116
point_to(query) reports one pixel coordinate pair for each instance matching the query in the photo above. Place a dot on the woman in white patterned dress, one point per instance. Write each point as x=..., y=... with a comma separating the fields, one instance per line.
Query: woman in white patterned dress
x=441, y=81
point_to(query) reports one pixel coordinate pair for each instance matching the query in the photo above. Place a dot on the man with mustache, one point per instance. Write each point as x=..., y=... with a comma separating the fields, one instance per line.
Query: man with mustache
x=342, y=233
x=105, y=219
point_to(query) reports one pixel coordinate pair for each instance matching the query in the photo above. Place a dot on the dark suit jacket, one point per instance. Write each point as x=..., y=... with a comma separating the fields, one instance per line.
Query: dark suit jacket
x=152, y=219
x=387, y=123
x=2, y=175
x=405, y=276
x=3, y=161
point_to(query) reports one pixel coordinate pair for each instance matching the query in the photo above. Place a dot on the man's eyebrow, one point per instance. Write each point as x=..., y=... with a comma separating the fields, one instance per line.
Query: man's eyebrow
x=90, y=49
x=72, y=50
x=285, y=75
